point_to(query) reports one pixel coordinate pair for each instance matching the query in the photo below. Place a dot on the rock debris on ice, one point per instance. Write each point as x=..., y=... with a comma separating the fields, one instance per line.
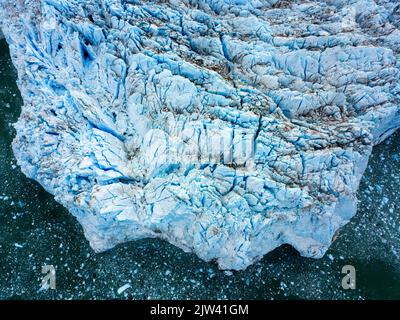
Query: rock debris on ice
x=225, y=127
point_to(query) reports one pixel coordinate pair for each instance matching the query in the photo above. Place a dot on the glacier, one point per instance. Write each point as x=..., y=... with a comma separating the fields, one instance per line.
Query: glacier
x=225, y=127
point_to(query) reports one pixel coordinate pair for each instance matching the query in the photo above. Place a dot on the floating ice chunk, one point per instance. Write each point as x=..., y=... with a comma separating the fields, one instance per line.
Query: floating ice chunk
x=227, y=128
x=123, y=288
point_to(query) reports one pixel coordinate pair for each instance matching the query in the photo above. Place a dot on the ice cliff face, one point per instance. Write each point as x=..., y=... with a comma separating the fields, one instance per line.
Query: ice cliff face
x=226, y=127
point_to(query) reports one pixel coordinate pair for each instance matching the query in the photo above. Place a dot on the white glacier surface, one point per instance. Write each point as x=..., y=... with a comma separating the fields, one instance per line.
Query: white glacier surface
x=226, y=128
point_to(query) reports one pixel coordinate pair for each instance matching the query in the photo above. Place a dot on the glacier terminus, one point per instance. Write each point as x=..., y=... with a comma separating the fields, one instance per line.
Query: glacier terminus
x=225, y=127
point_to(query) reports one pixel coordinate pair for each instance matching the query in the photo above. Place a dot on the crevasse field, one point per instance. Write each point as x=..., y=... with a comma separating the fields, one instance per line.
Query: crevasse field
x=35, y=231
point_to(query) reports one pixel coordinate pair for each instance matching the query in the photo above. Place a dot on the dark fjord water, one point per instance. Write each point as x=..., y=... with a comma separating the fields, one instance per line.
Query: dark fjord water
x=37, y=231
